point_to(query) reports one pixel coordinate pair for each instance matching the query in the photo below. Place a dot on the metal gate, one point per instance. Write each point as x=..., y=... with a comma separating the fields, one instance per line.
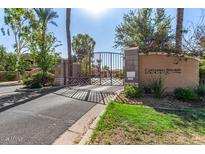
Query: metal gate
x=107, y=68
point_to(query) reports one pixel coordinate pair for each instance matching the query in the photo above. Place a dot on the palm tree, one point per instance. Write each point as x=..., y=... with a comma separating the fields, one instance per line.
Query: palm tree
x=46, y=16
x=179, y=29
x=68, y=15
x=83, y=45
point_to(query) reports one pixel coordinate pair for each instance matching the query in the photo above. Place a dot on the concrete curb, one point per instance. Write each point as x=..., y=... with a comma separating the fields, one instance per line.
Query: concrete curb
x=80, y=132
x=39, y=89
x=77, y=133
x=85, y=139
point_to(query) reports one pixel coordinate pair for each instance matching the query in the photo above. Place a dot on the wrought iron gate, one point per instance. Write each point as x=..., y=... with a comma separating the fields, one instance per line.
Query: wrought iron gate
x=107, y=68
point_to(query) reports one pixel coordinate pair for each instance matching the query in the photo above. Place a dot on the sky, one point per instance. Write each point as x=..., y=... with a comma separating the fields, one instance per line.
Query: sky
x=100, y=24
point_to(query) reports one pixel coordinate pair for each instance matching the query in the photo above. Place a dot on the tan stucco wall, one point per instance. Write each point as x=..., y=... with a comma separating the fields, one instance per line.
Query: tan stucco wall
x=182, y=73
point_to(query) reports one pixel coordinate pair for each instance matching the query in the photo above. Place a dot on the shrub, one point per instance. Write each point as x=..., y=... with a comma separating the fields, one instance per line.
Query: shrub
x=37, y=76
x=7, y=76
x=185, y=94
x=10, y=76
x=157, y=87
x=35, y=85
x=27, y=81
x=202, y=71
x=44, y=79
x=32, y=81
x=132, y=91
x=200, y=90
x=50, y=77
x=147, y=89
x=38, y=79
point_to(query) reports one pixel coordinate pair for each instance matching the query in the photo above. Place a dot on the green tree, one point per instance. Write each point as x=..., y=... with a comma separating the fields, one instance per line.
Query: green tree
x=10, y=62
x=18, y=21
x=42, y=43
x=83, y=45
x=145, y=29
x=7, y=60
x=24, y=65
x=85, y=66
x=45, y=17
x=45, y=56
x=163, y=36
x=2, y=57
x=2, y=52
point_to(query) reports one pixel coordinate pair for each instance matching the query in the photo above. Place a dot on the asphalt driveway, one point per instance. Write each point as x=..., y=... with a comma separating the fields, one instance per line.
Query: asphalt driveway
x=40, y=121
x=92, y=93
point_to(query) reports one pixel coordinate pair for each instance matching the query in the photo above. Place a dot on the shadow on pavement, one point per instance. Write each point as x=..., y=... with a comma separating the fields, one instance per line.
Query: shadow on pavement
x=23, y=97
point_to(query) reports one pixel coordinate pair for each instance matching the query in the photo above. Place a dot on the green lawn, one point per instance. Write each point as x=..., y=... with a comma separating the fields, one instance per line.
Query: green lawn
x=138, y=124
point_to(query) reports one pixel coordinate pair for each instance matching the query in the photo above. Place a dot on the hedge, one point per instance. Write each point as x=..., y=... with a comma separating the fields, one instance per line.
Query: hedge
x=7, y=76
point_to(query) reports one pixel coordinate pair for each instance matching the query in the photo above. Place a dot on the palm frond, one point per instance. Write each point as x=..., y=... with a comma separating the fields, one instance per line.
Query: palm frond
x=46, y=15
x=52, y=22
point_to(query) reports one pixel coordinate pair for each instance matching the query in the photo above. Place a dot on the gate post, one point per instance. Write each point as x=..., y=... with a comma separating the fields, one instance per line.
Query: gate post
x=100, y=69
x=111, y=68
x=64, y=72
x=131, y=66
x=89, y=61
x=76, y=70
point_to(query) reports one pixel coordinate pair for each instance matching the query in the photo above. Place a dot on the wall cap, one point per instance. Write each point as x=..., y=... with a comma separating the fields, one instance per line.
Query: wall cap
x=130, y=48
x=166, y=54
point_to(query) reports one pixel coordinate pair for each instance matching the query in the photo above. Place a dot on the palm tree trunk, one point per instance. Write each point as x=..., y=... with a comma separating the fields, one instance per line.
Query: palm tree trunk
x=68, y=15
x=179, y=29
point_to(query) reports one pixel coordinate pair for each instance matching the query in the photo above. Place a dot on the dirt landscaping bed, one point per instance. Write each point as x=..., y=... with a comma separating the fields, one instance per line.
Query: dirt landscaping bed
x=167, y=101
x=142, y=124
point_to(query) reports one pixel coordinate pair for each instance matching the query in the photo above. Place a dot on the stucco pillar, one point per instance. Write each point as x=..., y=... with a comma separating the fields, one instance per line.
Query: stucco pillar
x=131, y=66
x=76, y=70
x=59, y=70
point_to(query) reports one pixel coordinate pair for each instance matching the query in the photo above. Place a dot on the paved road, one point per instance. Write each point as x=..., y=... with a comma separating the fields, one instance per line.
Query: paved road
x=8, y=88
x=40, y=121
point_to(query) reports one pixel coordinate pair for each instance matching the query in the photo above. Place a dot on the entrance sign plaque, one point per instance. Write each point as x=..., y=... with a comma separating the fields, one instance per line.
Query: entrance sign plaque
x=130, y=74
